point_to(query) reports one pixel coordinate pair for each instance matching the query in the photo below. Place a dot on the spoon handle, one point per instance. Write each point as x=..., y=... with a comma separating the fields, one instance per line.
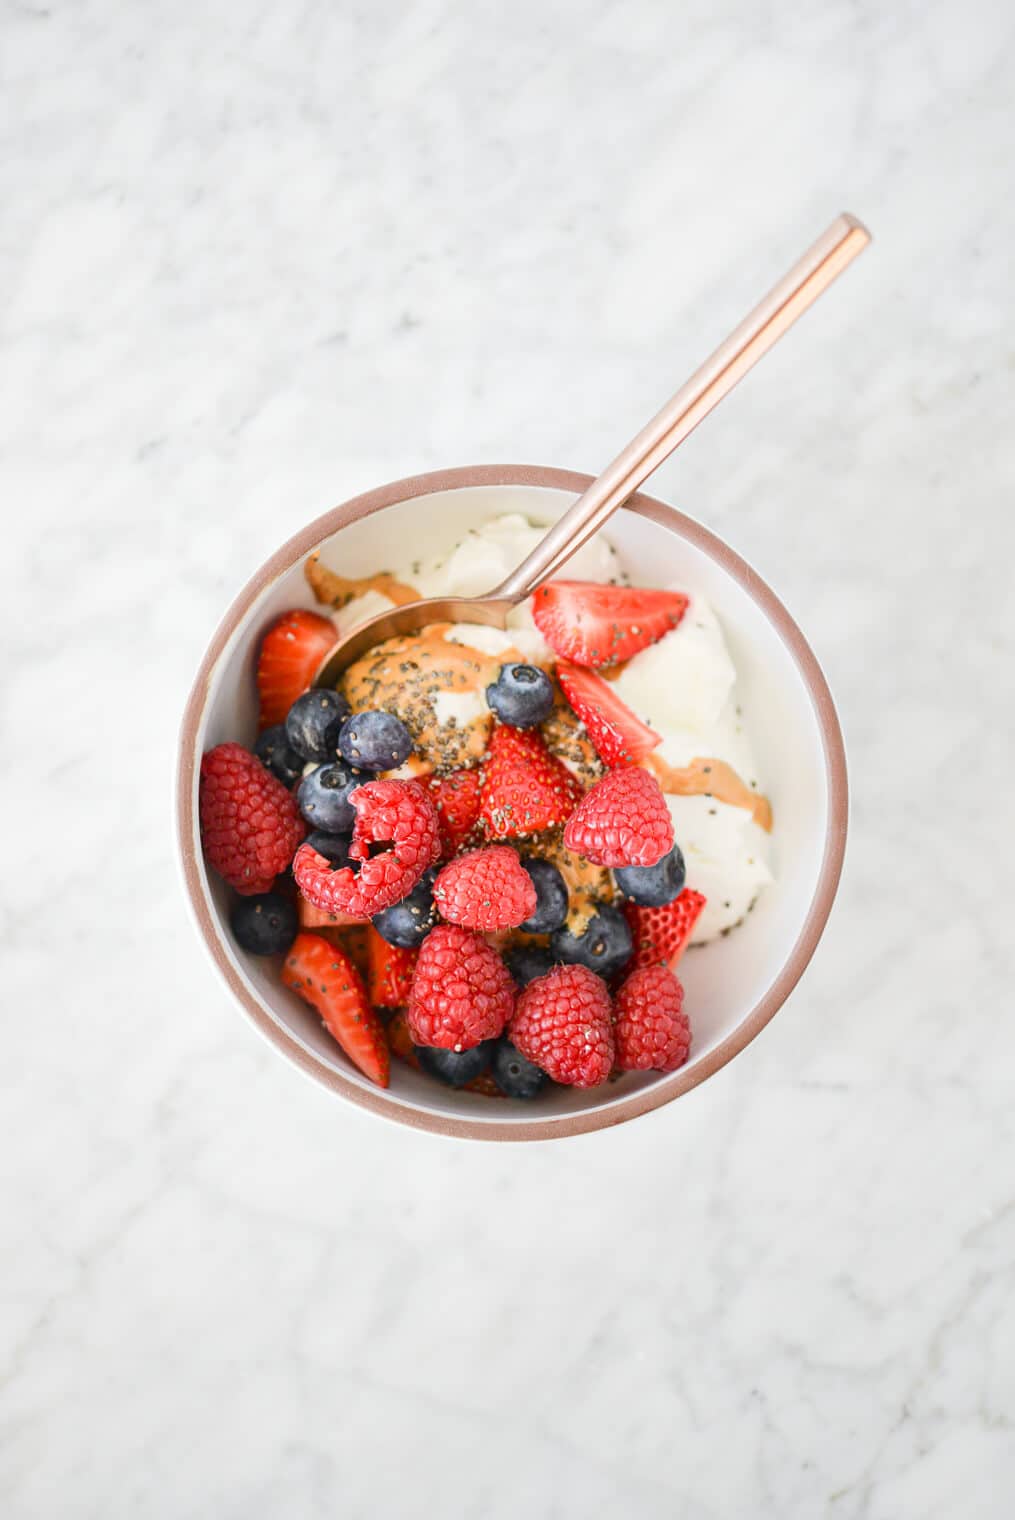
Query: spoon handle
x=757, y=333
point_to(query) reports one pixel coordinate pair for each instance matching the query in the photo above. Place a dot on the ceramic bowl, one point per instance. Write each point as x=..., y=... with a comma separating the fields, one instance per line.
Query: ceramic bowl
x=734, y=985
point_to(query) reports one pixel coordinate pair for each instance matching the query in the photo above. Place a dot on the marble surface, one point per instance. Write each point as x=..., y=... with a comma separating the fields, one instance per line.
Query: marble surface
x=252, y=265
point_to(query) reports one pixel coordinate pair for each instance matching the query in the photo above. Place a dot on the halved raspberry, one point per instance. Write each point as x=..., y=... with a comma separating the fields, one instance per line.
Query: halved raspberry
x=485, y=889
x=394, y=813
x=623, y=821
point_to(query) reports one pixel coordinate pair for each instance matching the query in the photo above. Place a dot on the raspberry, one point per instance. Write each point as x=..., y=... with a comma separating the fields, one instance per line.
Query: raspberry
x=397, y=813
x=562, y=1023
x=485, y=889
x=651, y=1029
x=456, y=798
x=525, y=788
x=250, y=824
x=462, y=992
x=623, y=821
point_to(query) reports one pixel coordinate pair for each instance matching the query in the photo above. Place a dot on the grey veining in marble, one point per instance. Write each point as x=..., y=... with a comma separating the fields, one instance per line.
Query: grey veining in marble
x=254, y=259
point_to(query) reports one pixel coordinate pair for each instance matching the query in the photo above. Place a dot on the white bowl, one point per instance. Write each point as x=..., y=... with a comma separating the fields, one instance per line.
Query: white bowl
x=734, y=985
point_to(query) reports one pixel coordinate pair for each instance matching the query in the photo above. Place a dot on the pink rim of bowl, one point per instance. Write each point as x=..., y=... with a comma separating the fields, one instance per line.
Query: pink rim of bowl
x=524, y=1126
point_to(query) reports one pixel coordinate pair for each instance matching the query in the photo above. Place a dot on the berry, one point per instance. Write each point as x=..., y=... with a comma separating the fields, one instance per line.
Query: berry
x=562, y=1023
x=522, y=695
x=313, y=918
x=526, y=962
x=514, y=1075
x=389, y=972
x=622, y=821
x=604, y=947
x=456, y=798
x=274, y=751
x=375, y=741
x=323, y=796
x=334, y=847
x=485, y=889
x=250, y=826
x=264, y=925
x=455, y=1067
x=408, y=922
x=661, y=935
x=525, y=789
x=462, y=993
x=593, y=624
x=313, y=723
x=650, y=1029
x=619, y=737
x=291, y=653
x=551, y=897
x=398, y=814
x=653, y=886
x=326, y=978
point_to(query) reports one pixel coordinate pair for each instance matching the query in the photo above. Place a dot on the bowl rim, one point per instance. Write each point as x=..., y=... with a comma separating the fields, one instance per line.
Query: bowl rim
x=666, y=1089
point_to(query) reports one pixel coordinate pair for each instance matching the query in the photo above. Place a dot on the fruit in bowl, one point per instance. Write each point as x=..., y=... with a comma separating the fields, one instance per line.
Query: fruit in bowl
x=487, y=851
x=785, y=739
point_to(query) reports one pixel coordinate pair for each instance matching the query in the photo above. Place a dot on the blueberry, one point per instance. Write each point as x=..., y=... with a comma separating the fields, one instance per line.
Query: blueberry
x=551, y=897
x=334, y=847
x=276, y=753
x=264, y=925
x=514, y=1075
x=653, y=886
x=409, y=922
x=377, y=741
x=526, y=962
x=604, y=948
x=323, y=797
x=313, y=723
x=521, y=696
x=455, y=1067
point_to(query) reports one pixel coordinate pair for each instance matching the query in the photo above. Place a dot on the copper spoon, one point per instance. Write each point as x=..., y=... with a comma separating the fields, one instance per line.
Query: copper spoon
x=757, y=333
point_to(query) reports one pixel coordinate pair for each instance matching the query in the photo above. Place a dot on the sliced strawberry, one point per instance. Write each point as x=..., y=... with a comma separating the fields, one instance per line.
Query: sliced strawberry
x=661, y=935
x=389, y=971
x=525, y=789
x=456, y=798
x=318, y=918
x=326, y=978
x=291, y=651
x=401, y=1040
x=593, y=624
x=619, y=736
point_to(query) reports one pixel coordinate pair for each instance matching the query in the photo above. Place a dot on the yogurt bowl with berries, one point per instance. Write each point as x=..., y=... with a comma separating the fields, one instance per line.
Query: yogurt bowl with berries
x=519, y=883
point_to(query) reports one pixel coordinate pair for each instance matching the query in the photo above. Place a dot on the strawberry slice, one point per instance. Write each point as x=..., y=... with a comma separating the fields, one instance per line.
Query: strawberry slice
x=592, y=624
x=525, y=788
x=326, y=978
x=319, y=918
x=619, y=736
x=291, y=651
x=661, y=935
x=389, y=971
x=456, y=798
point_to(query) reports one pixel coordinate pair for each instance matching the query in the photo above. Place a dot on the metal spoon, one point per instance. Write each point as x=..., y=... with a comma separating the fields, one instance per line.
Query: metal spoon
x=757, y=333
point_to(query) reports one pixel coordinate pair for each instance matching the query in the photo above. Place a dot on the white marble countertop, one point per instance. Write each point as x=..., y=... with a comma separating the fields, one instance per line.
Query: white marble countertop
x=252, y=267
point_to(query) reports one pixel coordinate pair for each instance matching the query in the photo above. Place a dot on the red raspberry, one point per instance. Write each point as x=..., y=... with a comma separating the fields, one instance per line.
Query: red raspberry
x=651, y=1029
x=462, y=992
x=485, y=889
x=562, y=1023
x=250, y=824
x=456, y=798
x=397, y=813
x=623, y=821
